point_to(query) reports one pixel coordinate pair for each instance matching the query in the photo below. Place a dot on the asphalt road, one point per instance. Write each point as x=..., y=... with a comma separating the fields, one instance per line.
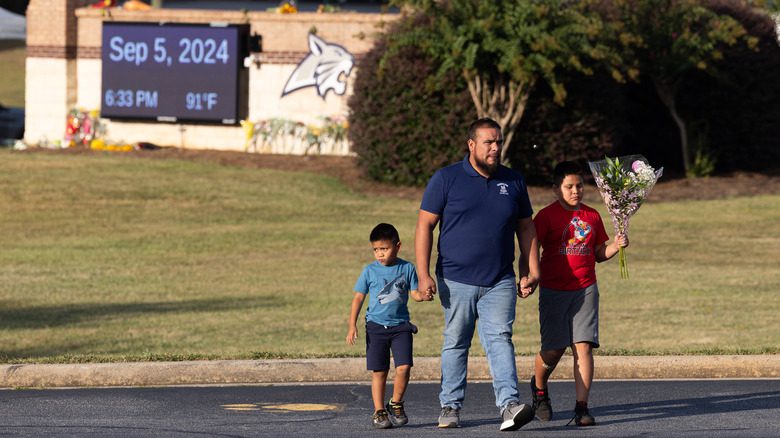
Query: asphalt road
x=698, y=408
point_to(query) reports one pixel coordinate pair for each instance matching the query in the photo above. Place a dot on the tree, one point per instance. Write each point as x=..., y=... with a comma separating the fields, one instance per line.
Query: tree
x=502, y=48
x=401, y=116
x=665, y=39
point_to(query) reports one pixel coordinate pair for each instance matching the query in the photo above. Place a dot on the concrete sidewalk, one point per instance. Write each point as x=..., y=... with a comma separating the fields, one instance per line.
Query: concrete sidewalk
x=228, y=372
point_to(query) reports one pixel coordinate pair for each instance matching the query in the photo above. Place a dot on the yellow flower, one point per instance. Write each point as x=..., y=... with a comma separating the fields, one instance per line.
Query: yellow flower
x=287, y=8
x=249, y=128
x=97, y=144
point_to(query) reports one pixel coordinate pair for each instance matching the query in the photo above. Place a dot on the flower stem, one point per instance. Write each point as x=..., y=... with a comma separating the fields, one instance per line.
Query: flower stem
x=622, y=262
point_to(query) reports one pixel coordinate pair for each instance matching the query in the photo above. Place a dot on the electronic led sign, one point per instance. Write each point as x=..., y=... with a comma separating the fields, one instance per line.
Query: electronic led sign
x=174, y=72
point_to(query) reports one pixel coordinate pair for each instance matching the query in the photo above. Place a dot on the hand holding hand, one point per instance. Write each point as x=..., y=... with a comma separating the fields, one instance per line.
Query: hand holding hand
x=427, y=286
x=526, y=286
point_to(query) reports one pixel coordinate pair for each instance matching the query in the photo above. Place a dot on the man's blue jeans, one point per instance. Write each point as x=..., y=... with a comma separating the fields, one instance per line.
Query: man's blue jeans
x=492, y=310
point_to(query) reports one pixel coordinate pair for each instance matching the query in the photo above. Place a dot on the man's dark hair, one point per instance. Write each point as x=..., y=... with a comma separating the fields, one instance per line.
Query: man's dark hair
x=563, y=169
x=384, y=232
x=484, y=122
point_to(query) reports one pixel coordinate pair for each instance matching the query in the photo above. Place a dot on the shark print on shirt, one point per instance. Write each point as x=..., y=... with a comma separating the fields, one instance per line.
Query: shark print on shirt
x=393, y=290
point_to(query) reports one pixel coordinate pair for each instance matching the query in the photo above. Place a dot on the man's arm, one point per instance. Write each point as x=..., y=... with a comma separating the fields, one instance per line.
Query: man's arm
x=423, y=244
x=528, y=264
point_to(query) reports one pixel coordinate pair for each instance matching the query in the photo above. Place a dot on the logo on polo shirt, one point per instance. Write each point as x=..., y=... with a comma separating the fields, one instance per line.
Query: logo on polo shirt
x=502, y=189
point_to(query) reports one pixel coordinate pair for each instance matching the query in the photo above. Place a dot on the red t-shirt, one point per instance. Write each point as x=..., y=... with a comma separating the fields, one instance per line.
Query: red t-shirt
x=569, y=240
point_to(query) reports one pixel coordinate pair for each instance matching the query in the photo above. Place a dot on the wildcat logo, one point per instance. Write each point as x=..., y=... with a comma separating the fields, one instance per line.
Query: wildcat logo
x=321, y=68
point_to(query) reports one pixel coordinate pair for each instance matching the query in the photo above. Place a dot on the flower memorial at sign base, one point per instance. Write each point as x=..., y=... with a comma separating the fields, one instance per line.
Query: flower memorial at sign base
x=624, y=183
x=286, y=136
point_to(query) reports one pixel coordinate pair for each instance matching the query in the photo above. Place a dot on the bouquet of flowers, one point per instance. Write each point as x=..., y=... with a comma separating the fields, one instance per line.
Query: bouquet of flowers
x=624, y=183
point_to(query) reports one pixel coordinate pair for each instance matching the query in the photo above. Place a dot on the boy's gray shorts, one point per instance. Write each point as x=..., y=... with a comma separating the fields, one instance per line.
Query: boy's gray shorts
x=569, y=317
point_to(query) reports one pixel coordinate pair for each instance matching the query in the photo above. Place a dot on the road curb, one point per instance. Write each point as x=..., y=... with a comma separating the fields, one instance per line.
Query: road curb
x=227, y=372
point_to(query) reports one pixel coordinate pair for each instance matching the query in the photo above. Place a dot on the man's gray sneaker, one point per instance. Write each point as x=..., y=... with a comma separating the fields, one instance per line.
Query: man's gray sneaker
x=449, y=417
x=516, y=415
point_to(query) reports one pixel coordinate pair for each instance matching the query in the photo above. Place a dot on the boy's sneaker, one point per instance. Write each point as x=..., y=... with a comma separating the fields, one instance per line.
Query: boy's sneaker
x=542, y=406
x=380, y=420
x=516, y=415
x=396, y=413
x=582, y=416
x=449, y=417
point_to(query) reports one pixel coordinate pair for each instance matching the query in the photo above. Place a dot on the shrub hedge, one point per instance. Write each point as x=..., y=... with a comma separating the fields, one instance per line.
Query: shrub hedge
x=403, y=124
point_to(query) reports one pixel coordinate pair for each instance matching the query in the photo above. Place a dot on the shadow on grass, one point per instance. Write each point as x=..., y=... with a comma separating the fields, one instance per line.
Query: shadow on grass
x=54, y=316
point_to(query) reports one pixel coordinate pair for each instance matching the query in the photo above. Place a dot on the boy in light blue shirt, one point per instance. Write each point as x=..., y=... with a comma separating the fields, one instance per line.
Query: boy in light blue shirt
x=389, y=281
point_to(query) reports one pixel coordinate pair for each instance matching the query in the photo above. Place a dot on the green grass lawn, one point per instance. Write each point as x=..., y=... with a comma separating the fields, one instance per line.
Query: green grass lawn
x=109, y=257
x=12, y=54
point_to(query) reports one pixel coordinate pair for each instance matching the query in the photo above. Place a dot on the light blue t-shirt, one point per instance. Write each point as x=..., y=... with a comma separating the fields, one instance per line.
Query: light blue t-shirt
x=388, y=288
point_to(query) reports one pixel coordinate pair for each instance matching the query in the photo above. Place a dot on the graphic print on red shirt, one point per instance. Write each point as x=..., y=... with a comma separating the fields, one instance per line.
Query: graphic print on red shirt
x=569, y=240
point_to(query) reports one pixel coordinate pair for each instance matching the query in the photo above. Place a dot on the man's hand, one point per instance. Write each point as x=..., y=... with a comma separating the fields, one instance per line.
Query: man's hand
x=526, y=286
x=426, y=285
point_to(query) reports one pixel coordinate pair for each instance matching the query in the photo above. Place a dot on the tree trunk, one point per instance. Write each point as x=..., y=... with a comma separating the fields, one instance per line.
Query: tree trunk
x=503, y=100
x=667, y=93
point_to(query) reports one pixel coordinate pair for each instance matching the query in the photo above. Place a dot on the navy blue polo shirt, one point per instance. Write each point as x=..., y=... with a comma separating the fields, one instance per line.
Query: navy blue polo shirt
x=478, y=219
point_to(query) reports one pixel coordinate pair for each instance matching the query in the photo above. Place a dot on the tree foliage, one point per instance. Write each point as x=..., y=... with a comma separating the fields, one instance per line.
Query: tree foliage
x=667, y=39
x=503, y=48
x=587, y=128
x=734, y=114
x=405, y=120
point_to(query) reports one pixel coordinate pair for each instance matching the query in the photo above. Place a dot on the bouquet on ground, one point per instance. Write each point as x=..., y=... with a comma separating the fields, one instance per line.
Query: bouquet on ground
x=624, y=183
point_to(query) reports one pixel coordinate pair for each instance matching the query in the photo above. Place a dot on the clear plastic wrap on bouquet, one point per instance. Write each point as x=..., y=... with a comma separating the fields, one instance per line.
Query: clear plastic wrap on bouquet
x=624, y=183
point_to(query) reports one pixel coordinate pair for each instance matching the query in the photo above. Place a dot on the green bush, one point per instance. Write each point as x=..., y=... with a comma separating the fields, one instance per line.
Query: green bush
x=579, y=131
x=404, y=123
x=732, y=118
x=740, y=105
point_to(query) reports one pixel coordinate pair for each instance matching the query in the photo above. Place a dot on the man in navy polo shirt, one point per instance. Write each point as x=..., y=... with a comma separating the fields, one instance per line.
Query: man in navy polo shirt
x=480, y=206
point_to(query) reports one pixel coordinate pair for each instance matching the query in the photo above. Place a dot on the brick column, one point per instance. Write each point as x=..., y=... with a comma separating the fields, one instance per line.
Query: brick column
x=50, y=83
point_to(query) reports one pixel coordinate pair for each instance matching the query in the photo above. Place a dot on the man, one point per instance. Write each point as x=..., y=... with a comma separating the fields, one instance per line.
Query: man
x=480, y=206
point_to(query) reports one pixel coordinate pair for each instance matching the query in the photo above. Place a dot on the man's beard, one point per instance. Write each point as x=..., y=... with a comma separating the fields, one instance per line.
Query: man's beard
x=486, y=167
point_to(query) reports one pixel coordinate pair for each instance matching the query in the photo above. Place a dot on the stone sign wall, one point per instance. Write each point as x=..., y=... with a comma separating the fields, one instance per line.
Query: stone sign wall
x=293, y=95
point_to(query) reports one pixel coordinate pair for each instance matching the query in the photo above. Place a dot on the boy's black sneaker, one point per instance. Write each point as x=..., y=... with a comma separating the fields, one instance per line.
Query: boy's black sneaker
x=380, y=420
x=396, y=413
x=582, y=416
x=541, y=398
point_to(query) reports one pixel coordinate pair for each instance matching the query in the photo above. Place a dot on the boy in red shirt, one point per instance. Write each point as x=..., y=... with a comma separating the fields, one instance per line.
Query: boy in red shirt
x=573, y=240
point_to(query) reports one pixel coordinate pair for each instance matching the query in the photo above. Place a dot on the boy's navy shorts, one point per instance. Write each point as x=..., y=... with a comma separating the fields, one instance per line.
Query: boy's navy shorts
x=380, y=340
